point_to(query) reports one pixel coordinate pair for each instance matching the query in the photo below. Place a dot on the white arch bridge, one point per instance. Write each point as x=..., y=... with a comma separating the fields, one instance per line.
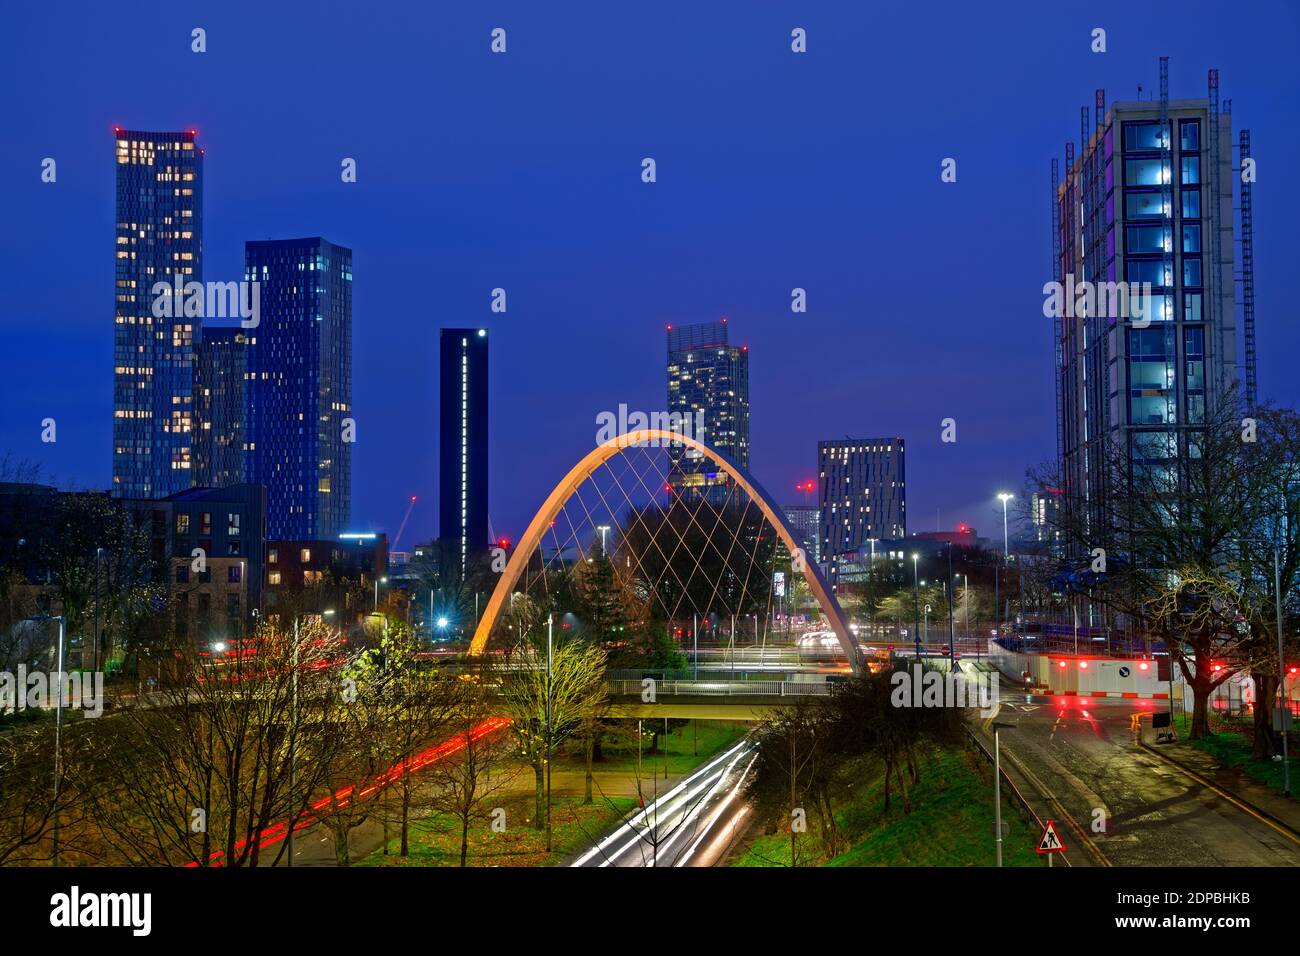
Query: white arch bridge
x=634, y=483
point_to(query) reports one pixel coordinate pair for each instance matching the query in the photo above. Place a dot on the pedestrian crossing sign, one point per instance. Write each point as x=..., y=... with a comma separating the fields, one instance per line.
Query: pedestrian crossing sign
x=1049, y=842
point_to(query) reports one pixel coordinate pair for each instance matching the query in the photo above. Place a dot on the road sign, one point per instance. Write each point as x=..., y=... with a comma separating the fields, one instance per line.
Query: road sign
x=1049, y=842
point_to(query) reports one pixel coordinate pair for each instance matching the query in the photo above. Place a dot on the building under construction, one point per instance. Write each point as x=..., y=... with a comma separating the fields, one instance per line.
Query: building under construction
x=1148, y=198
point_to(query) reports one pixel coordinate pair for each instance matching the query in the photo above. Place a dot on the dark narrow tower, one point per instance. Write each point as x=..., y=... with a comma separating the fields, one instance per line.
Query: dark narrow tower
x=463, y=443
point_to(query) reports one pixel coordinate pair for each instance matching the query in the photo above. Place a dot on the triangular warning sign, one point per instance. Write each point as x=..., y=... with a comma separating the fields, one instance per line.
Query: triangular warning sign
x=1049, y=842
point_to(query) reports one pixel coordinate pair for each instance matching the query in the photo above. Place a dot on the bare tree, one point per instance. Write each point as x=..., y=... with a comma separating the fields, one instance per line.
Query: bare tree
x=480, y=765
x=549, y=702
x=1168, y=538
x=222, y=757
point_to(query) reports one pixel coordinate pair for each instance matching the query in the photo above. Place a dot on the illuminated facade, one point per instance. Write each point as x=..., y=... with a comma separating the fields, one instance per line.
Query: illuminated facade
x=159, y=235
x=220, y=367
x=1149, y=200
x=862, y=493
x=298, y=420
x=708, y=380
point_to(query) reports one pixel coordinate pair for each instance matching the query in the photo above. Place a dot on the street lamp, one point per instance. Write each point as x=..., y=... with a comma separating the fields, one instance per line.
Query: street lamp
x=602, y=528
x=377, y=583
x=916, y=604
x=58, y=735
x=1284, y=709
x=94, y=657
x=1004, y=497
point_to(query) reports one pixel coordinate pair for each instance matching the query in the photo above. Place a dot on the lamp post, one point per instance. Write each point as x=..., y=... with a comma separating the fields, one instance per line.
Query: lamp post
x=94, y=655
x=916, y=604
x=952, y=626
x=383, y=580
x=1284, y=713
x=58, y=734
x=602, y=528
x=549, y=620
x=997, y=592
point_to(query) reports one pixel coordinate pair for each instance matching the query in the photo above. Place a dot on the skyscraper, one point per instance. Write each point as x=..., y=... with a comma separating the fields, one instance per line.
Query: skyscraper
x=708, y=381
x=159, y=200
x=298, y=424
x=863, y=493
x=463, y=442
x=1149, y=200
x=220, y=367
x=805, y=522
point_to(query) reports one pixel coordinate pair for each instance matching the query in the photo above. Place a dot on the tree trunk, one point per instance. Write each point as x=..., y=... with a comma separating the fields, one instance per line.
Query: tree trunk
x=341, y=855
x=591, y=744
x=903, y=792
x=1200, y=710
x=889, y=772
x=464, y=839
x=539, y=818
x=1264, y=745
x=406, y=821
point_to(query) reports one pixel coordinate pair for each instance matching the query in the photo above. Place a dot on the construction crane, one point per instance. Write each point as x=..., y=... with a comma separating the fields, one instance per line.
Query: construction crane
x=402, y=527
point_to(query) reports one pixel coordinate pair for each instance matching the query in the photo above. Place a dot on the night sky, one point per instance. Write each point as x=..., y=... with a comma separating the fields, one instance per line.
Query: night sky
x=522, y=170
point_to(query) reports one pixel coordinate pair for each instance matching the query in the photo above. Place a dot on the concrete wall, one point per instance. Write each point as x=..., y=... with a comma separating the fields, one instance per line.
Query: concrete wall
x=1081, y=676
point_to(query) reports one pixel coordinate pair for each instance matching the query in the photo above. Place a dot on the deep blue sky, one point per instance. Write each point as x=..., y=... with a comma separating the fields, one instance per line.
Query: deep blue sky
x=523, y=171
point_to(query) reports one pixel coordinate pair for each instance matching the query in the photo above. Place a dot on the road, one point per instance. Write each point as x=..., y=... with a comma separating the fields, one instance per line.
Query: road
x=1082, y=752
x=693, y=824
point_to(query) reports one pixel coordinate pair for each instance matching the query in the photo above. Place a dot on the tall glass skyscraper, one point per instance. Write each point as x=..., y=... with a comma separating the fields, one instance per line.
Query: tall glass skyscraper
x=463, y=443
x=708, y=383
x=298, y=424
x=159, y=229
x=220, y=369
x=1149, y=200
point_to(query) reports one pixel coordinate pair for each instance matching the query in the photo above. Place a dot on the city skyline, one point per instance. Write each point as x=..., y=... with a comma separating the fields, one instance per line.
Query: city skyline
x=837, y=436
x=868, y=296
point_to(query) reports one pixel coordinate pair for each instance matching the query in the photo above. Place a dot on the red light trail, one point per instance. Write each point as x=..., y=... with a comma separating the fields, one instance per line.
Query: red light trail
x=274, y=834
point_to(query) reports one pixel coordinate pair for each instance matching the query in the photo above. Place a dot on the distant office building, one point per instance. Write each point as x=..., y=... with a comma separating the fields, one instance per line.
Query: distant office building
x=863, y=494
x=298, y=424
x=228, y=525
x=708, y=381
x=339, y=575
x=963, y=536
x=805, y=522
x=463, y=442
x=159, y=227
x=1044, y=514
x=220, y=367
x=1149, y=200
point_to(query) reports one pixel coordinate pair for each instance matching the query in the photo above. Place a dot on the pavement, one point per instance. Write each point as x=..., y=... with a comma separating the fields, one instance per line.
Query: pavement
x=1124, y=805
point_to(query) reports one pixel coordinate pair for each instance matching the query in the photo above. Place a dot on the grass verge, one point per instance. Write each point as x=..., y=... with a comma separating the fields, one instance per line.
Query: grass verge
x=951, y=823
x=435, y=839
x=1230, y=745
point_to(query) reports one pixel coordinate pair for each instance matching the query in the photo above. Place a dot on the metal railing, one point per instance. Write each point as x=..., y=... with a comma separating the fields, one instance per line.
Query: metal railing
x=706, y=688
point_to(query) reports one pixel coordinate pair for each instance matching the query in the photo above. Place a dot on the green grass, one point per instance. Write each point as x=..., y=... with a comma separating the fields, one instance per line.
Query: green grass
x=679, y=749
x=951, y=823
x=1230, y=745
x=435, y=839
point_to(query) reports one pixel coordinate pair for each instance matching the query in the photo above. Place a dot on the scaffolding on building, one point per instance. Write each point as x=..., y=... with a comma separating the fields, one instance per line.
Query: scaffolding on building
x=1248, y=274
